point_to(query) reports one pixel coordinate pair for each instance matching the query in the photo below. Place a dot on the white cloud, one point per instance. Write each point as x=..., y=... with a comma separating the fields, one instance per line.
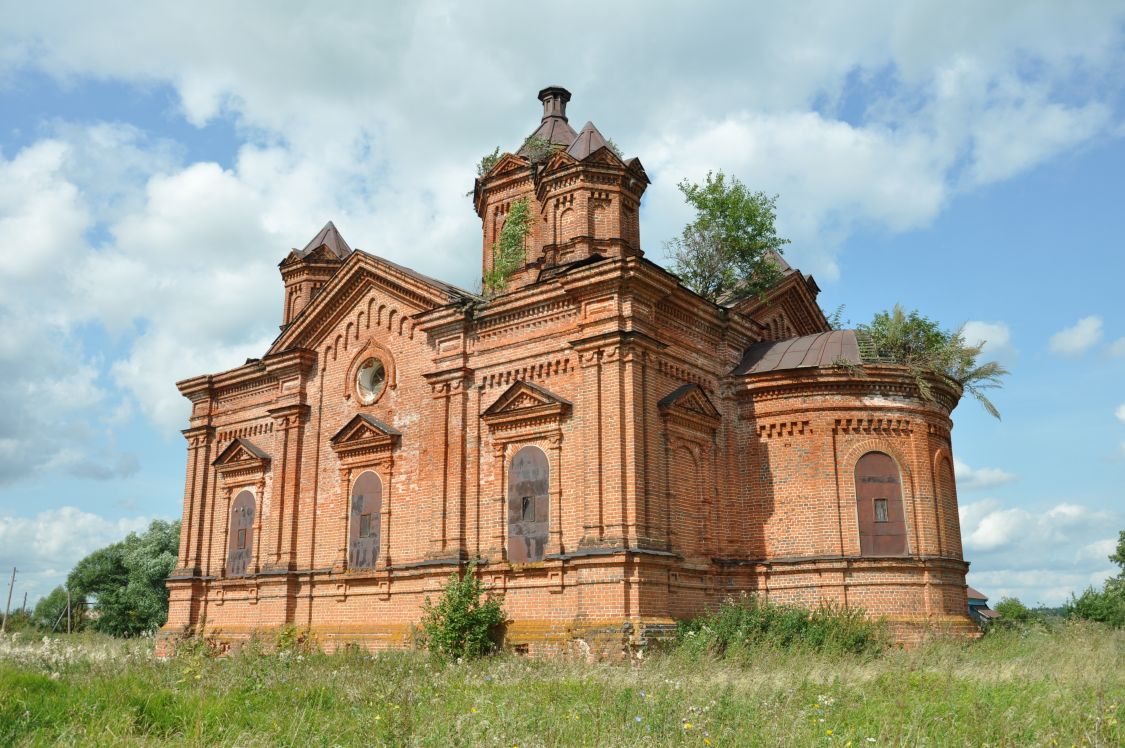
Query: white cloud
x=1120, y=412
x=969, y=479
x=1117, y=348
x=1038, y=556
x=45, y=547
x=332, y=128
x=1077, y=339
x=996, y=337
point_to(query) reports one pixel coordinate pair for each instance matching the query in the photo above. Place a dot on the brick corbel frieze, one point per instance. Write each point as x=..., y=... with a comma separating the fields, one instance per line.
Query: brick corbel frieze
x=197, y=483
x=289, y=422
x=450, y=388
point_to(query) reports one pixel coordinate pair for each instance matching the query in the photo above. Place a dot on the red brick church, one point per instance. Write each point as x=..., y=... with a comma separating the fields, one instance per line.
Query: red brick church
x=615, y=451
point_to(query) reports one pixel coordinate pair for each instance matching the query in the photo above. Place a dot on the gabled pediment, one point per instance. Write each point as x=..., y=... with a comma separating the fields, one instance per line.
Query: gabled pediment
x=239, y=454
x=409, y=291
x=508, y=162
x=365, y=428
x=690, y=401
x=558, y=159
x=525, y=401
x=604, y=155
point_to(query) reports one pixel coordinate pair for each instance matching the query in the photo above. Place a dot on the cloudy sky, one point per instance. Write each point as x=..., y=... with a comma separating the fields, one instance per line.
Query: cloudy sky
x=157, y=160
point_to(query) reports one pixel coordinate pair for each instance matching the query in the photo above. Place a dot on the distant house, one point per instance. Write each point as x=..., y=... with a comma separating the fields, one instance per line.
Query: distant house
x=978, y=607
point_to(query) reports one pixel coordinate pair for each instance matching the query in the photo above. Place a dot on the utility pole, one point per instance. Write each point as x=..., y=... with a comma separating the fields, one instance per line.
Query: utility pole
x=8, y=607
x=24, y=608
x=68, y=610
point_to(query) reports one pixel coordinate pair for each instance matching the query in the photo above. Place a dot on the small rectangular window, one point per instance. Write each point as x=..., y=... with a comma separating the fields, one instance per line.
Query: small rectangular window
x=365, y=525
x=241, y=540
x=881, y=510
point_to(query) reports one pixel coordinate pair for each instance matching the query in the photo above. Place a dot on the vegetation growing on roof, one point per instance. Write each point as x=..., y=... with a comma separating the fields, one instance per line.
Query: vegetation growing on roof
x=487, y=161
x=539, y=149
x=615, y=148
x=920, y=343
x=729, y=248
x=509, y=252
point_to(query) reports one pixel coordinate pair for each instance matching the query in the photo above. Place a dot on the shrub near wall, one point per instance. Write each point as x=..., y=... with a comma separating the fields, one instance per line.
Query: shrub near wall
x=748, y=622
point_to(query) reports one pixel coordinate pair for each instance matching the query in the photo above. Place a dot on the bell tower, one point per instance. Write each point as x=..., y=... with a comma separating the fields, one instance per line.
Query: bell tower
x=584, y=197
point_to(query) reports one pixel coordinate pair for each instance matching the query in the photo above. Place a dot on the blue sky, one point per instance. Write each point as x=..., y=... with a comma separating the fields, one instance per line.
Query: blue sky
x=963, y=160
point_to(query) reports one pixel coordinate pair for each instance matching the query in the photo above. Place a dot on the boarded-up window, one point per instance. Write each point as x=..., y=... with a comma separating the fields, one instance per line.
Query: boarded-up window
x=529, y=505
x=240, y=537
x=878, y=492
x=363, y=524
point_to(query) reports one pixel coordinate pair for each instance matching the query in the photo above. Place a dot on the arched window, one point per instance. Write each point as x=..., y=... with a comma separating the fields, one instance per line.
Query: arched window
x=529, y=504
x=240, y=537
x=878, y=495
x=363, y=521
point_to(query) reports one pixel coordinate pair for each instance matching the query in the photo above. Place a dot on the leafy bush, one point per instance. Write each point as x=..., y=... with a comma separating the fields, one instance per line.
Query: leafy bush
x=509, y=254
x=51, y=610
x=1107, y=606
x=465, y=619
x=919, y=343
x=747, y=622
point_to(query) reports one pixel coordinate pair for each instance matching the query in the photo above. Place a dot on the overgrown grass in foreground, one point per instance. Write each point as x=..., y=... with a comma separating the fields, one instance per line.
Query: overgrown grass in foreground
x=1032, y=687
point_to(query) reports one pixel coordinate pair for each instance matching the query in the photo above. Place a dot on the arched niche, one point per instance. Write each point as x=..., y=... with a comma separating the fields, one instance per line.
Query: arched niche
x=364, y=521
x=240, y=536
x=879, y=508
x=529, y=505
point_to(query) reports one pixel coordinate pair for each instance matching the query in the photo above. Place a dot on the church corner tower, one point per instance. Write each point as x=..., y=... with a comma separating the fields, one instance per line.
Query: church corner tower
x=305, y=271
x=584, y=197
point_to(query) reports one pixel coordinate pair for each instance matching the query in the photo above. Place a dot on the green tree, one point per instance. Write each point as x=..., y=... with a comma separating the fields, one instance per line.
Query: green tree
x=1107, y=605
x=126, y=580
x=52, y=608
x=730, y=249
x=464, y=620
x=919, y=343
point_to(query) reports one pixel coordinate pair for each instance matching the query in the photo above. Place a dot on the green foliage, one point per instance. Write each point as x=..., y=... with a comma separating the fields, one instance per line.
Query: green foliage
x=295, y=640
x=743, y=625
x=488, y=161
x=464, y=621
x=126, y=580
x=19, y=620
x=1037, y=687
x=1012, y=611
x=920, y=344
x=1108, y=605
x=510, y=252
x=538, y=149
x=615, y=148
x=52, y=608
x=730, y=248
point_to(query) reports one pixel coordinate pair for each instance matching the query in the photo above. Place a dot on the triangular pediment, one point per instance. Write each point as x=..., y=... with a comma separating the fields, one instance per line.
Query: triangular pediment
x=508, y=162
x=558, y=159
x=604, y=155
x=361, y=272
x=690, y=399
x=364, y=429
x=526, y=398
x=241, y=453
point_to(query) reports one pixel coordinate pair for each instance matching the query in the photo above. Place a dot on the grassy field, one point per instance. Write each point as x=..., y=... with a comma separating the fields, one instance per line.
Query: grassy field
x=1061, y=687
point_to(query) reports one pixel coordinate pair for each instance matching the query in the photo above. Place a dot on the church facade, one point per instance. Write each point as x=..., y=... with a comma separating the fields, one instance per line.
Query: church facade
x=613, y=450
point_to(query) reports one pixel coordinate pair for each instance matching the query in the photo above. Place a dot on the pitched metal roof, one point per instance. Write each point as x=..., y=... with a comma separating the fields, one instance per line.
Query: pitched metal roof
x=329, y=237
x=975, y=594
x=588, y=141
x=807, y=351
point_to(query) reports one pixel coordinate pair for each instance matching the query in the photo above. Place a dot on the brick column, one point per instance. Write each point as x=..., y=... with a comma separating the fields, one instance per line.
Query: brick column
x=289, y=421
x=450, y=389
x=196, y=483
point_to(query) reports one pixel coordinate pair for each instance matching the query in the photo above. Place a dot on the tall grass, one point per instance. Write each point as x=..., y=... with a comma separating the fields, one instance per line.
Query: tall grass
x=1063, y=686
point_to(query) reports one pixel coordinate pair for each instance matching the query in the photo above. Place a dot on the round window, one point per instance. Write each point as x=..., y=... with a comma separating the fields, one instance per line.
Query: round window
x=370, y=379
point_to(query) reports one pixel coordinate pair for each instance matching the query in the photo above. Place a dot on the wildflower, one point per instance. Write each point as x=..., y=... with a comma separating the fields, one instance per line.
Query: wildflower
x=637, y=718
x=706, y=741
x=870, y=740
x=828, y=731
x=687, y=725
x=473, y=710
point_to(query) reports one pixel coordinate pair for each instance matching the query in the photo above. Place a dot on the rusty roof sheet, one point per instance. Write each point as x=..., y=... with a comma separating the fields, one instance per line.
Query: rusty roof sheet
x=807, y=351
x=588, y=141
x=975, y=594
x=329, y=237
